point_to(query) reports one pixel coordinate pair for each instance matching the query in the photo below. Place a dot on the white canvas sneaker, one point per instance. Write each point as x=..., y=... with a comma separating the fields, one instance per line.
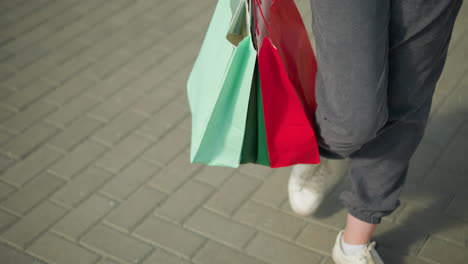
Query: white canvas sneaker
x=309, y=184
x=367, y=255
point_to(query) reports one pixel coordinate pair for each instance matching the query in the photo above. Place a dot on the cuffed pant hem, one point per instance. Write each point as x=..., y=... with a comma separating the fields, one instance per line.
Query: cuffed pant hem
x=366, y=218
x=323, y=152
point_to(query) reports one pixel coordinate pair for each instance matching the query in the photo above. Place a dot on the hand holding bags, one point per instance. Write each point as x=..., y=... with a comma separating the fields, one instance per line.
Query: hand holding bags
x=238, y=116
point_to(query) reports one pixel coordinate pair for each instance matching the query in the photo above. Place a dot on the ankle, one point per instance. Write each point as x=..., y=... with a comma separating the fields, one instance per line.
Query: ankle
x=355, y=241
x=350, y=249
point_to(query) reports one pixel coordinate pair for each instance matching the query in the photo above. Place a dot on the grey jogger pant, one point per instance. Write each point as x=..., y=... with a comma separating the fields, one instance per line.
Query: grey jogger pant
x=378, y=65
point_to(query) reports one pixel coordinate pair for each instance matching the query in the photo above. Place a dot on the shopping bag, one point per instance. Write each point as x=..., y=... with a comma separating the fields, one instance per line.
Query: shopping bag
x=287, y=84
x=254, y=149
x=288, y=33
x=219, y=87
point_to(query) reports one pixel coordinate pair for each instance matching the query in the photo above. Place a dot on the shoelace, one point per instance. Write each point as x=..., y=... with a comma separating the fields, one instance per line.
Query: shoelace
x=367, y=252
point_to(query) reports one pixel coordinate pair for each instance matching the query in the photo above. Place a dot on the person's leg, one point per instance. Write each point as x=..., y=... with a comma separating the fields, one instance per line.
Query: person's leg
x=351, y=89
x=358, y=232
x=419, y=33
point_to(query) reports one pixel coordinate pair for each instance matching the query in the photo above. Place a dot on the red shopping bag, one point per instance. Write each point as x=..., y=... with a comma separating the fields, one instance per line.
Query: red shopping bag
x=287, y=68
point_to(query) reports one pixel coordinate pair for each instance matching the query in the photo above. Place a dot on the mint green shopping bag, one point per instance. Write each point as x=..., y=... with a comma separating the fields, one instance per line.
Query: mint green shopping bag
x=219, y=86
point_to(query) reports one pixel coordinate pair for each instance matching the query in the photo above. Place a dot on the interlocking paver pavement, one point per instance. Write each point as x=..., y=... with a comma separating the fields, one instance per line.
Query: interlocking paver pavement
x=94, y=150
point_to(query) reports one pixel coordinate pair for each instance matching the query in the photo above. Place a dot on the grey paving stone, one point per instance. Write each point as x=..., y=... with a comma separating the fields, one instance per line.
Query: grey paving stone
x=107, y=261
x=104, y=47
x=162, y=121
x=116, y=244
x=437, y=224
x=6, y=220
x=213, y=253
x=78, y=159
x=146, y=58
x=5, y=113
x=390, y=256
x=422, y=195
x=34, y=35
x=127, y=150
x=259, y=171
x=157, y=99
x=13, y=256
x=454, y=157
x=66, y=16
x=139, y=34
x=168, y=147
x=23, y=144
x=98, y=33
x=114, y=105
x=184, y=201
x=200, y=22
x=129, y=180
x=175, y=174
x=102, y=68
x=33, y=224
x=280, y=251
x=455, y=67
x=442, y=251
x=214, y=175
x=232, y=194
x=73, y=110
x=423, y=161
x=24, y=170
x=5, y=190
x=87, y=214
x=458, y=207
x=32, y=193
x=4, y=136
x=60, y=52
x=133, y=210
x=59, y=39
x=269, y=220
x=122, y=125
x=103, y=89
x=65, y=92
x=5, y=72
x=50, y=13
x=24, y=119
x=169, y=236
x=318, y=237
x=81, y=186
x=5, y=162
x=276, y=183
x=185, y=56
x=220, y=228
x=152, y=78
x=405, y=239
x=161, y=256
x=54, y=249
x=447, y=180
x=20, y=60
x=28, y=95
x=132, y=12
x=76, y=133
x=29, y=73
x=88, y=6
